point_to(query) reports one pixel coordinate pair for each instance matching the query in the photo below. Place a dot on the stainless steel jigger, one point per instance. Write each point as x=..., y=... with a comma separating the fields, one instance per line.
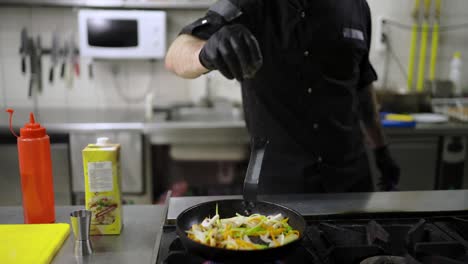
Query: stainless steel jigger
x=81, y=222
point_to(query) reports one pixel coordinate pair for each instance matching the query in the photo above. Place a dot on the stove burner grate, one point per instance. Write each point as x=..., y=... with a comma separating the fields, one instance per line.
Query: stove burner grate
x=371, y=241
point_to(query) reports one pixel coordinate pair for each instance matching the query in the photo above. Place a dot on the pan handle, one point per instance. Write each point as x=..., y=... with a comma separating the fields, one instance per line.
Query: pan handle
x=252, y=176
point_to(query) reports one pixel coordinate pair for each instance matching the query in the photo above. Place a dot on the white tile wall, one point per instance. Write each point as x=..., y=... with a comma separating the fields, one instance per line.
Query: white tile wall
x=137, y=77
x=453, y=12
x=127, y=89
x=2, y=88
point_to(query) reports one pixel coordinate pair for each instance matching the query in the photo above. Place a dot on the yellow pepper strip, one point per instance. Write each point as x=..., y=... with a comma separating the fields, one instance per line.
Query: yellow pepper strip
x=277, y=231
x=245, y=244
x=295, y=232
x=227, y=232
x=208, y=237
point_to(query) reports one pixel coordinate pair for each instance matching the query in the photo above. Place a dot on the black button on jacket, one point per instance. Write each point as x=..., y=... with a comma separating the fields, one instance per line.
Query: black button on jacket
x=304, y=98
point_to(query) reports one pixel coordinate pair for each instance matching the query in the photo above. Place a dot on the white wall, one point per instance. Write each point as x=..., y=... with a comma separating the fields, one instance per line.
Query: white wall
x=135, y=77
x=453, y=12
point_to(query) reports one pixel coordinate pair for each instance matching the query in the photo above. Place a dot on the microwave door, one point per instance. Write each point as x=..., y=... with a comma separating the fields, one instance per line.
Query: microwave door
x=112, y=33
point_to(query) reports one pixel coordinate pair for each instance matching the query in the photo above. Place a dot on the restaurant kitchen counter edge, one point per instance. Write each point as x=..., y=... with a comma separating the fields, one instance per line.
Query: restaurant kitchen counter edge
x=159, y=131
x=142, y=223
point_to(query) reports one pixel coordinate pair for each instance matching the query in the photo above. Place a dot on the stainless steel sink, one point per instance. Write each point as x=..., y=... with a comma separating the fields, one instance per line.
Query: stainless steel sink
x=204, y=114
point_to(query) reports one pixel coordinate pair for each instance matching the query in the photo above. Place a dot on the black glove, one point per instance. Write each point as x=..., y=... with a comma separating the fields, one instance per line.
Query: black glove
x=389, y=170
x=234, y=51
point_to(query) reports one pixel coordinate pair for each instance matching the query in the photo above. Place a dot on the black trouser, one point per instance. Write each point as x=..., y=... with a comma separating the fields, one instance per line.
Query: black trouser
x=289, y=173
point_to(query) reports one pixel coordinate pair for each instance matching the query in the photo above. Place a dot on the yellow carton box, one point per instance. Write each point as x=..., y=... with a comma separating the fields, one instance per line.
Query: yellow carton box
x=101, y=162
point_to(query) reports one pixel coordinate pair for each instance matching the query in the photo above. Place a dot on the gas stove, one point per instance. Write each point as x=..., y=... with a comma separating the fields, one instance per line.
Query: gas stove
x=403, y=238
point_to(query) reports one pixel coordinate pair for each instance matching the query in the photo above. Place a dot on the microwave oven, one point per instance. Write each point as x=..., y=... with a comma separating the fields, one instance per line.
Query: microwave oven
x=122, y=34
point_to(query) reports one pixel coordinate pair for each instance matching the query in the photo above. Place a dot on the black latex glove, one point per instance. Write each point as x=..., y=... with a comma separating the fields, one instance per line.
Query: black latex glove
x=234, y=51
x=389, y=170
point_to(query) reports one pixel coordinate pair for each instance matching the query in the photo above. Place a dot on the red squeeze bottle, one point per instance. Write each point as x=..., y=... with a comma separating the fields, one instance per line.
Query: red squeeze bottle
x=35, y=166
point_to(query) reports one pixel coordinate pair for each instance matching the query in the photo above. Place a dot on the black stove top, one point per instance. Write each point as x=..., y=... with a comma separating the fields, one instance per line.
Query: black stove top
x=368, y=240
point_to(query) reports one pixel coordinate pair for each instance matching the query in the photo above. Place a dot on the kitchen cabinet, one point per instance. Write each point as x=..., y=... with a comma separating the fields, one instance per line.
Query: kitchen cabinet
x=465, y=178
x=199, y=170
x=453, y=161
x=198, y=158
x=418, y=158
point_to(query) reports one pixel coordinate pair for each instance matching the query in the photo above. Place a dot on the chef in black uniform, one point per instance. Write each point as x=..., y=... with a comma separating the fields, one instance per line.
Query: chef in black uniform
x=306, y=87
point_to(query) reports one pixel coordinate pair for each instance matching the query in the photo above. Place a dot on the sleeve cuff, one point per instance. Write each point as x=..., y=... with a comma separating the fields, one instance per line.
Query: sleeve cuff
x=367, y=77
x=204, y=27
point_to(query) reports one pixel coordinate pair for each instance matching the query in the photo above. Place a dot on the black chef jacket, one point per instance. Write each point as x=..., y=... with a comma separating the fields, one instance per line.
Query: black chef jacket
x=304, y=98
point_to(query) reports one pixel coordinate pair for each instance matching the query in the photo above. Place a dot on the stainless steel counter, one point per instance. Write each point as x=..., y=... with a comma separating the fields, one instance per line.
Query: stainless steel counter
x=331, y=204
x=142, y=224
x=68, y=120
x=135, y=244
x=168, y=132
x=231, y=132
x=443, y=129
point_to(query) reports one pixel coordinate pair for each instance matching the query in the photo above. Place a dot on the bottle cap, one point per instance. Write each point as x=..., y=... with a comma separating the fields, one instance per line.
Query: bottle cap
x=32, y=129
x=457, y=55
x=102, y=141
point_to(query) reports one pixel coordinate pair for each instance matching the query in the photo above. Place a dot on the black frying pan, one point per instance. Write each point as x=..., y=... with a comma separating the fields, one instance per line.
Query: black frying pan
x=229, y=208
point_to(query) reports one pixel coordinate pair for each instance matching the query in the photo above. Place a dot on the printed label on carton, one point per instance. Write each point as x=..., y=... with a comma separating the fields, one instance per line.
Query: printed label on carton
x=100, y=176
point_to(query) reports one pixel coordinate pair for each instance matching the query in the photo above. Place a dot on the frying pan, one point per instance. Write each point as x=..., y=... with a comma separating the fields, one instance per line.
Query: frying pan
x=249, y=205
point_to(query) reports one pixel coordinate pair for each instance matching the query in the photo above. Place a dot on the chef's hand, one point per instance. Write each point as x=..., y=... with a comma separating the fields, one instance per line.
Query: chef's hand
x=389, y=170
x=234, y=51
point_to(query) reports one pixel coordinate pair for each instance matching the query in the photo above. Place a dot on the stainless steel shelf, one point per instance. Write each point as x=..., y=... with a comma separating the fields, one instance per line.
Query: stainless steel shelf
x=133, y=4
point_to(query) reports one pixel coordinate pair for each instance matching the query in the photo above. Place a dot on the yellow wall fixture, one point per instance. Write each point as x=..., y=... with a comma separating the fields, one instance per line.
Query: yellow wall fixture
x=423, y=49
x=435, y=41
x=434, y=50
x=414, y=42
x=422, y=57
x=412, y=56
